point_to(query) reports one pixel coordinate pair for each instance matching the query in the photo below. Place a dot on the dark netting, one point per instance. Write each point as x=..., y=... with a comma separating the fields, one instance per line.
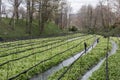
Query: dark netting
x=46, y=40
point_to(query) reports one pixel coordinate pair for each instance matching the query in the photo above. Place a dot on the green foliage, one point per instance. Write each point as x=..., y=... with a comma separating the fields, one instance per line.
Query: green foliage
x=114, y=70
x=115, y=31
x=19, y=30
x=18, y=66
x=51, y=28
x=83, y=64
x=73, y=28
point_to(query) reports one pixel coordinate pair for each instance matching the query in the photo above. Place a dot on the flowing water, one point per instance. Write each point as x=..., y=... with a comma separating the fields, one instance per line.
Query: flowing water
x=67, y=62
x=89, y=73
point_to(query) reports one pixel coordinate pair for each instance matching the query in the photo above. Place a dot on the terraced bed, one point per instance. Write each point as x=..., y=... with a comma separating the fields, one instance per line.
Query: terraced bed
x=113, y=66
x=38, y=55
x=76, y=70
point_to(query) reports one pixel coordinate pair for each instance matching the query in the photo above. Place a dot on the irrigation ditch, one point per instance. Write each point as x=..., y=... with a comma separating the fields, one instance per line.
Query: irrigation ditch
x=67, y=62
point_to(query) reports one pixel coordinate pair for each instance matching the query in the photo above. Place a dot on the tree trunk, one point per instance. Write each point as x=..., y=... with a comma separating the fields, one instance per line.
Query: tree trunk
x=28, y=27
x=61, y=18
x=102, y=16
x=0, y=10
x=40, y=2
x=16, y=5
x=44, y=16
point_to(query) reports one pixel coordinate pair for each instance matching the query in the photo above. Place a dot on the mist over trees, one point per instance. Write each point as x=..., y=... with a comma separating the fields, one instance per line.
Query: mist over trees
x=106, y=15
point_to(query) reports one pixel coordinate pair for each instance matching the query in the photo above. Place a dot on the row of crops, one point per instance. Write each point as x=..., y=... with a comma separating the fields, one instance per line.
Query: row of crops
x=113, y=66
x=76, y=70
x=23, y=59
x=33, y=41
x=30, y=45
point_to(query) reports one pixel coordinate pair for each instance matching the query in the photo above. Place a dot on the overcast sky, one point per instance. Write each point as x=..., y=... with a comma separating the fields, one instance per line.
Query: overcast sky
x=76, y=4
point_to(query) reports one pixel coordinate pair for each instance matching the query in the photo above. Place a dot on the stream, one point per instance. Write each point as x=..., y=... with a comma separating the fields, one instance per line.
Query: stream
x=89, y=73
x=67, y=62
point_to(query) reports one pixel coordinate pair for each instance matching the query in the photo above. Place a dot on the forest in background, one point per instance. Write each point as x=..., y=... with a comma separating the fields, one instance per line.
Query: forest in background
x=33, y=17
x=23, y=18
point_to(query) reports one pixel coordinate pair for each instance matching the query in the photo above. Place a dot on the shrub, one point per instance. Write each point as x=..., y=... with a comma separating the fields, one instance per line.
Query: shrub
x=73, y=28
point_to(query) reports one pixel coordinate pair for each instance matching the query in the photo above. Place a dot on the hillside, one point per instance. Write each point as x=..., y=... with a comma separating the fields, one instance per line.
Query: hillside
x=20, y=29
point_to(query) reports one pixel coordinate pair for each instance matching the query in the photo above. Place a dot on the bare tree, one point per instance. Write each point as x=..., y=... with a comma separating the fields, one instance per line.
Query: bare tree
x=28, y=24
x=116, y=7
x=63, y=13
x=81, y=19
x=15, y=16
x=39, y=14
x=102, y=14
x=47, y=10
x=0, y=9
x=89, y=17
